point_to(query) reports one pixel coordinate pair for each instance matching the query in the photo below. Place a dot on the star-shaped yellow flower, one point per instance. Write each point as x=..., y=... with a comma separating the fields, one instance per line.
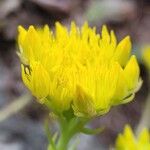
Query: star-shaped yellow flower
x=78, y=69
x=127, y=140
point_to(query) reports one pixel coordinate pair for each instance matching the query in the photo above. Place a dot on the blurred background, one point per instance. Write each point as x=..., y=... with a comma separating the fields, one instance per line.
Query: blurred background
x=21, y=117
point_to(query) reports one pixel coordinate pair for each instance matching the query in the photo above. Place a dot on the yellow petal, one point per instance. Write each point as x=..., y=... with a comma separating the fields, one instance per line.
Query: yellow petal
x=121, y=89
x=113, y=39
x=123, y=50
x=83, y=104
x=126, y=141
x=144, y=136
x=37, y=80
x=22, y=35
x=105, y=35
x=131, y=73
x=106, y=74
x=120, y=142
x=146, y=56
x=128, y=133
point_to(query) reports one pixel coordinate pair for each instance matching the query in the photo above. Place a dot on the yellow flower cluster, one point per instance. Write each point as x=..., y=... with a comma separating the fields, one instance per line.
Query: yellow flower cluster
x=127, y=141
x=78, y=69
x=146, y=56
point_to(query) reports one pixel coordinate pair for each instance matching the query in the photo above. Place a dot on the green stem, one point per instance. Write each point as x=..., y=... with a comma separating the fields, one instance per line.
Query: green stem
x=50, y=138
x=63, y=142
x=145, y=119
x=68, y=129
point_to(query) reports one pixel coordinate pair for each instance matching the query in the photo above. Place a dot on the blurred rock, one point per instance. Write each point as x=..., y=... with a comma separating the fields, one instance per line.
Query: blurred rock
x=116, y=10
x=12, y=146
x=22, y=134
x=88, y=142
x=8, y=6
x=57, y=6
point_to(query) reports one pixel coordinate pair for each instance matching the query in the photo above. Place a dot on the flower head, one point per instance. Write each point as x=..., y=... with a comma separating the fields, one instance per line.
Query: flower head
x=127, y=140
x=78, y=69
x=146, y=56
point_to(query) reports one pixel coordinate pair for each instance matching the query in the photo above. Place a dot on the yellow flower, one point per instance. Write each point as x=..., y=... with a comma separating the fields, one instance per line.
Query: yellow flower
x=127, y=140
x=78, y=69
x=146, y=56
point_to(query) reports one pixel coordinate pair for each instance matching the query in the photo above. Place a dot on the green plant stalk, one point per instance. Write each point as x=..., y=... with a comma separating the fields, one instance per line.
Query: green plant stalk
x=145, y=119
x=67, y=130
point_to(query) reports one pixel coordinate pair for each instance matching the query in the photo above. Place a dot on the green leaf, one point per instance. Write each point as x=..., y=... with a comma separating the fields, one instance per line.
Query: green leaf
x=92, y=131
x=51, y=138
